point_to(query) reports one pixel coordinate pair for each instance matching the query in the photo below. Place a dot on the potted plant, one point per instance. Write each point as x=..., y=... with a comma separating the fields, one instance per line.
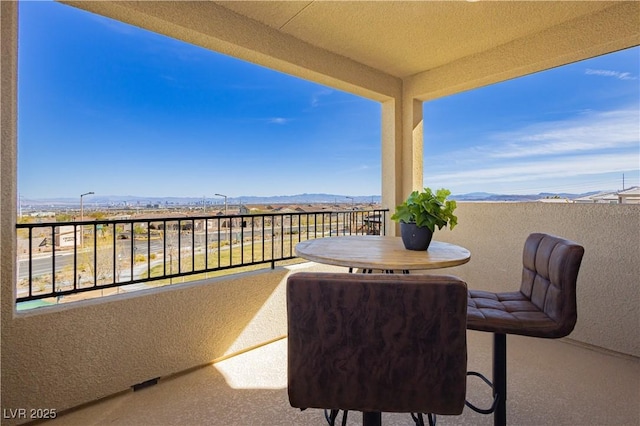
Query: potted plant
x=421, y=213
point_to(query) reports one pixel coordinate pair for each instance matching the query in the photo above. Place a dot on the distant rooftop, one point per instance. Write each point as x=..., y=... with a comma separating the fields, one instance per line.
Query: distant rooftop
x=627, y=196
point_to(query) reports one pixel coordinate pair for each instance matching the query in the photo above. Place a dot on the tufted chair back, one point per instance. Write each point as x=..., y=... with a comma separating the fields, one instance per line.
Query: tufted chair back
x=545, y=304
x=549, y=275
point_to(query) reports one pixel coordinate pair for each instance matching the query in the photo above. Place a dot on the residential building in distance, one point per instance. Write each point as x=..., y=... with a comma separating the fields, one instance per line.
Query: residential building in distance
x=627, y=196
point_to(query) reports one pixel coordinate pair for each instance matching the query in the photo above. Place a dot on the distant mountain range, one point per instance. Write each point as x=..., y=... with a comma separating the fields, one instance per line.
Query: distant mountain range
x=133, y=201
x=486, y=196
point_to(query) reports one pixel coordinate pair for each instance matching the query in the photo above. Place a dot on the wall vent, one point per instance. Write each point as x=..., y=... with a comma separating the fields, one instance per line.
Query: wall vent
x=146, y=384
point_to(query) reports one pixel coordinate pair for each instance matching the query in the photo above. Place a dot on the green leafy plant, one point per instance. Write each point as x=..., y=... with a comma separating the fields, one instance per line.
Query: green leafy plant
x=427, y=209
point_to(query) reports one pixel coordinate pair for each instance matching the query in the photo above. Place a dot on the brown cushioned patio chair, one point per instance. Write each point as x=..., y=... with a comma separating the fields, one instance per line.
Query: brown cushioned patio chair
x=377, y=343
x=545, y=306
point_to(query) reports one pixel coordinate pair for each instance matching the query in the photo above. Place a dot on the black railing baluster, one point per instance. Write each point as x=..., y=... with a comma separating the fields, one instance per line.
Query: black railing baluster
x=281, y=236
x=30, y=262
x=53, y=259
x=164, y=248
x=315, y=225
x=253, y=240
x=115, y=263
x=230, y=242
x=273, y=246
x=132, y=251
x=290, y=234
x=193, y=245
x=331, y=225
x=263, y=244
x=241, y=240
x=179, y=246
x=206, y=244
x=218, y=242
x=307, y=225
x=75, y=256
x=148, y=249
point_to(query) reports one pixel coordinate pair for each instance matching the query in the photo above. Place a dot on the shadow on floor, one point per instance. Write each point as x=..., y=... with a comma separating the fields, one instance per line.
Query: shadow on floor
x=550, y=382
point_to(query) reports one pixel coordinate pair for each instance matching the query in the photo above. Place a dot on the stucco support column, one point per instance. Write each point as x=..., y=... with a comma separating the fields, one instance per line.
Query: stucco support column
x=412, y=146
x=402, y=148
x=8, y=125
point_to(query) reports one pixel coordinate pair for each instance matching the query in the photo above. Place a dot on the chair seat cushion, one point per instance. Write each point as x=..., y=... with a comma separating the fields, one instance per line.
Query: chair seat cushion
x=508, y=313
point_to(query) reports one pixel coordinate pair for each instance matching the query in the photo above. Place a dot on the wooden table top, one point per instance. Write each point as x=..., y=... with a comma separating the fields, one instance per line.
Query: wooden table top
x=380, y=252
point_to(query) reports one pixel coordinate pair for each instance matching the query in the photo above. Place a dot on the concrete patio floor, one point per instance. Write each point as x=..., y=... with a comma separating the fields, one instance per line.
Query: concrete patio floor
x=550, y=382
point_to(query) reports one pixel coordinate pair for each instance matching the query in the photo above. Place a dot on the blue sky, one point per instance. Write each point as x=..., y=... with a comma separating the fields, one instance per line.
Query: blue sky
x=110, y=108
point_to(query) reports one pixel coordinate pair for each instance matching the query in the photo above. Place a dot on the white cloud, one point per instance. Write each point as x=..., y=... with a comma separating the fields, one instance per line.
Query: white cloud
x=560, y=167
x=278, y=120
x=315, y=97
x=608, y=73
x=593, y=131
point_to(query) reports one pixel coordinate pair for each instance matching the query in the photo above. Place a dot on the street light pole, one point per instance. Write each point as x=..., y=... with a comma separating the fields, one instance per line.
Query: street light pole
x=82, y=217
x=352, y=201
x=225, y=202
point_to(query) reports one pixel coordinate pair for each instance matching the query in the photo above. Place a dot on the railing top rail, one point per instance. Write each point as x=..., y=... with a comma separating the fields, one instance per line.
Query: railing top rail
x=198, y=217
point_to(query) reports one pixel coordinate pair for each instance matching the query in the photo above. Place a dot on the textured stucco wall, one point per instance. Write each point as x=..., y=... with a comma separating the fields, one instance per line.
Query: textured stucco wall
x=608, y=283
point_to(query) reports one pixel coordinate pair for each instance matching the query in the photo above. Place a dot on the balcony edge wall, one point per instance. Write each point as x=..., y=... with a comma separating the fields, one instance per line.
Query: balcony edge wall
x=607, y=292
x=64, y=356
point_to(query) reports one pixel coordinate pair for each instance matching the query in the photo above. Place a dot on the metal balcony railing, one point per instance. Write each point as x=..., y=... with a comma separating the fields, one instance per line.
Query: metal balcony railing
x=65, y=258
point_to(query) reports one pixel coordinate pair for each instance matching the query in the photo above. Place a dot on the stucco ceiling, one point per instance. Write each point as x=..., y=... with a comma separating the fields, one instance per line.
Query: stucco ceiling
x=403, y=38
x=378, y=49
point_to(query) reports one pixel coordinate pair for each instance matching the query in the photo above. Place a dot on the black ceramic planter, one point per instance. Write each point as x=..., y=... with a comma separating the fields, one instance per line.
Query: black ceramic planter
x=414, y=237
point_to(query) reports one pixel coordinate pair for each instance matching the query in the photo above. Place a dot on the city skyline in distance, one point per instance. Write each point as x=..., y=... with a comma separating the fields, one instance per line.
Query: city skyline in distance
x=110, y=108
x=96, y=200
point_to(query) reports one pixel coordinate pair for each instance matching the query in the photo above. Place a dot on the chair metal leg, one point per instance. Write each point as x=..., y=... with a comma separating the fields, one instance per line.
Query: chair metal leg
x=330, y=416
x=500, y=378
x=418, y=419
x=371, y=418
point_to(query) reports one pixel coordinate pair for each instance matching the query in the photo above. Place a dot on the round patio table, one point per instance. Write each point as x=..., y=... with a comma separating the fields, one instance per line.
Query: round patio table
x=373, y=252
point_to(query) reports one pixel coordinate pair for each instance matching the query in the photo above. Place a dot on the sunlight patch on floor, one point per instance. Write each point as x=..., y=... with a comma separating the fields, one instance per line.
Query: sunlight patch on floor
x=261, y=368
